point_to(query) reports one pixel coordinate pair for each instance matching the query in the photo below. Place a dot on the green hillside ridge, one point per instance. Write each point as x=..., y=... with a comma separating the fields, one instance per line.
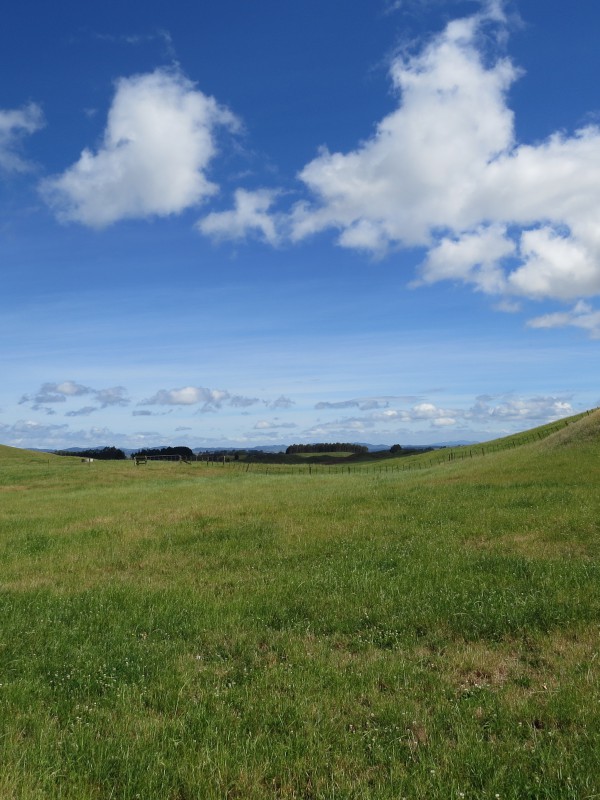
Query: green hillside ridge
x=17, y=453
x=586, y=431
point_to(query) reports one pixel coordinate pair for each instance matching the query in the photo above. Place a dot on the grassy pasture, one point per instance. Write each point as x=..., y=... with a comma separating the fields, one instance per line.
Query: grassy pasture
x=189, y=631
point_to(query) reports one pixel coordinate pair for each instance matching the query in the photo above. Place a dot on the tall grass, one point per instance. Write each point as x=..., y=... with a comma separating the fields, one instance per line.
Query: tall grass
x=188, y=631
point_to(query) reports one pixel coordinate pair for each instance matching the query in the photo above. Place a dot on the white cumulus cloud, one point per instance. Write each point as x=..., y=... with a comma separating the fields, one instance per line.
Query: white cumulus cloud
x=472, y=257
x=208, y=399
x=188, y=396
x=158, y=143
x=422, y=167
x=444, y=172
x=447, y=159
x=250, y=216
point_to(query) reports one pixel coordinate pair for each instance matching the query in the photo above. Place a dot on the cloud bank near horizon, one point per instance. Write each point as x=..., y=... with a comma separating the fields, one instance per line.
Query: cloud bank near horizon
x=402, y=418
x=423, y=420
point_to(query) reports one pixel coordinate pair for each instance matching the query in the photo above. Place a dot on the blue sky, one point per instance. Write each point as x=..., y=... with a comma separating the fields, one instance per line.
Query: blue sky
x=241, y=224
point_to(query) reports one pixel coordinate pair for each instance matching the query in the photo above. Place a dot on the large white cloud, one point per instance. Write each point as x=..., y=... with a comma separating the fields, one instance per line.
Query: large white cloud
x=422, y=166
x=444, y=172
x=517, y=219
x=14, y=124
x=158, y=143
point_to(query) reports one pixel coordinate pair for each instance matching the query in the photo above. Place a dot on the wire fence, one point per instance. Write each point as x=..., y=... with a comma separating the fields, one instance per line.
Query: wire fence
x=406, y=463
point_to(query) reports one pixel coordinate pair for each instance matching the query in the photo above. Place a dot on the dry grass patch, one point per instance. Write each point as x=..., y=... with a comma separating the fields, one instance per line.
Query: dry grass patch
x=541, y=545
x=520, y=670
x=477, y=665
x=81, y=526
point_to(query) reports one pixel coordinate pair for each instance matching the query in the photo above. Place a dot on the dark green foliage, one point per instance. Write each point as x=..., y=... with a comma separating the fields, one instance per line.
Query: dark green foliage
x=164, y=452
x=101, y=453
x=324, y=447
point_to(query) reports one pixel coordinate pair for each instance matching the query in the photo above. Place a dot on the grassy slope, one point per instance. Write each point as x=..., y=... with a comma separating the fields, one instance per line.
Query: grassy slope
x=183, y=631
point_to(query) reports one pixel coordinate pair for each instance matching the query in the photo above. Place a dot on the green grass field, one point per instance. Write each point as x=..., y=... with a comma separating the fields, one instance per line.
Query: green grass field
x=192, y=631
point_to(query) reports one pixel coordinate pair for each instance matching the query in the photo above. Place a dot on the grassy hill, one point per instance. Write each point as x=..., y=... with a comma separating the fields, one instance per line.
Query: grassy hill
x=185, y=631
x=16, y=454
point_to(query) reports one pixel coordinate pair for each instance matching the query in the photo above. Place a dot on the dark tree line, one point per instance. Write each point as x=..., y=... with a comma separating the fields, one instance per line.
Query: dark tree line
x=101, y=453
x=165, y=452
x=323, y=447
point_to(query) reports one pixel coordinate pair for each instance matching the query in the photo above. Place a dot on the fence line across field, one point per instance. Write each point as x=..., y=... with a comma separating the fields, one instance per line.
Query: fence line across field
x=436, y=458
x=406, y=464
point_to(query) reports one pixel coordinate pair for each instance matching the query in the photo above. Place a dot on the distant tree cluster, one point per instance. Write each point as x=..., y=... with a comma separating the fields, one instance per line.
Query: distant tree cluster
x=220, y=455
x=165, y=452
x=324, y=447
x=101, y=453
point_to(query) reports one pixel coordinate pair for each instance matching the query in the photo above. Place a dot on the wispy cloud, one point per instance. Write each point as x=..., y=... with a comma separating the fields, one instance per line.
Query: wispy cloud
x=61, y=392
x=279, y=402
x=272, y=425
x=82, y=412
x=210, y=399
x=114, y=396
x=582, y=316
x=162, y=36
x=15, y=124
x=363, y=403
x=337, y=405
x=238, y=401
